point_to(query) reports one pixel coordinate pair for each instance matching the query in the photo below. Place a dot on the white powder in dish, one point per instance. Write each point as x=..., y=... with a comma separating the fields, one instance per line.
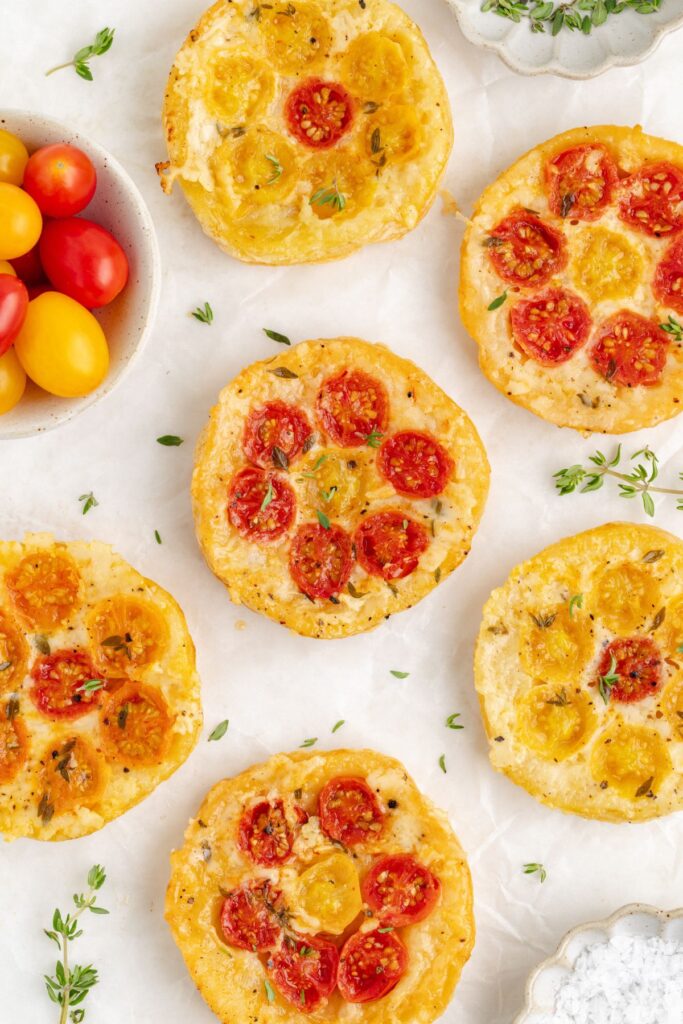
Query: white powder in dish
x=628, y=980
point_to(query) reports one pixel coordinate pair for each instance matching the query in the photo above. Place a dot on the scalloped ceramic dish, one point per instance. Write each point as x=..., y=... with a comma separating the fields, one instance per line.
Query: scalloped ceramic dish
x=633, y=919
x=627, y=38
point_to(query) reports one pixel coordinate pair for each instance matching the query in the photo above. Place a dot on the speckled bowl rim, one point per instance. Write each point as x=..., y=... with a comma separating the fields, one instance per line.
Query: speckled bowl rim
x=106, y=388
x=554, y=67
x=558, y=957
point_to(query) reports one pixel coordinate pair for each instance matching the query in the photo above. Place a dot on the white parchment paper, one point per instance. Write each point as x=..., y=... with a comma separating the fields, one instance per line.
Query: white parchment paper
x=278, y=689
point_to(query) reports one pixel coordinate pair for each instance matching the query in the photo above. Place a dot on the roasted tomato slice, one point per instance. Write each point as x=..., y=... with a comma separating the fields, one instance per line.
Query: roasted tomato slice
x=13, y=654
x=321, y=559
x=318, y=113
x=58, y=681
x=370, y=965
x=44, y=588
x=274, y=434
x=400, y=890
x=264, y=834
x=249, y=916
x=637, y=662
x=579, y=182
x=551, y=326
x=13, y=742
x=352, y=407
x=349, y=811
x=73, y=776
x=304, y=970
x=415, y=464
x=389, y=544
x=127, y=634
x=526, y=252
x=652, y=199
x=668, y=282
x=630, y=350
x=261, y=505
x=136, y=724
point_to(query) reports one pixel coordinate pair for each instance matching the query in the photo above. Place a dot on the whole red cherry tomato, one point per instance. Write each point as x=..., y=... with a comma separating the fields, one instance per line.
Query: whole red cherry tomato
x=61, y=179
x=13, y=306
x=83, y=260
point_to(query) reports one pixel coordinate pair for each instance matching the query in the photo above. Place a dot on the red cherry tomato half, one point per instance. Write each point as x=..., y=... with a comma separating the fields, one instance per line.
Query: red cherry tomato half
x=83, y=261
x=389, y=544
x=630, y=350
x=400, y=890
x=349, y=811
x=351, y=407
x=551, y=326
x=525, y=251
x=13, y=306
x=248, y=916
x=61, y=179
x=57, y=681
x=28, y=267
x=652, y=199
x=264, y=833
x=304, y=970
x=318, y=113
x=370, y=965
x=261, y=506
x=637, y=662
x=579, y=182
x=320, y=559
x=274, y=434
x=415, y=464
x=668, y=282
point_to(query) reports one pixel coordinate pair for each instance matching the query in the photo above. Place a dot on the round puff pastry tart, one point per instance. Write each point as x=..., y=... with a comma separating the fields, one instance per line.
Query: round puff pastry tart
x=322, y=887
x=334, y=485
x=301, y=131
x=572, y=280
x=580, y=676
x=99, y=697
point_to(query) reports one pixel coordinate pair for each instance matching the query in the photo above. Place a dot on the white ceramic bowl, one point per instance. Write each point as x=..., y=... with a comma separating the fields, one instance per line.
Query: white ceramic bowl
x=634, y=919
x=625, y=38
x=118, y=206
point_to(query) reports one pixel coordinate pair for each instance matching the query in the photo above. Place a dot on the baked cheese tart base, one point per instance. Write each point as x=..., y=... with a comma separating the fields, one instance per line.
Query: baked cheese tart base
x=335, y=485
x=580, y=674
x=581, y=243
x=300, y=132
x=99, y=697
x=322, y=886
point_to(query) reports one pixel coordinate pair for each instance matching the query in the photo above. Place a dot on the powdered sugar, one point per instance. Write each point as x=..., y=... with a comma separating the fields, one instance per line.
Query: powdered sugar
x=628, y=980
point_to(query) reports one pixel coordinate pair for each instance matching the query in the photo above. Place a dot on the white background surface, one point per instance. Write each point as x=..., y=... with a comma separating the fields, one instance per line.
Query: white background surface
x=276, y=688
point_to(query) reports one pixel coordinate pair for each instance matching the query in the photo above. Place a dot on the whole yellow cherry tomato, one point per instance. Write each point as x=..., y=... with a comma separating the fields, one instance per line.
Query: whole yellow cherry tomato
x=13, y=158
x=62, y=347
x=20, y=221
x=12, y=381
x=7, y=268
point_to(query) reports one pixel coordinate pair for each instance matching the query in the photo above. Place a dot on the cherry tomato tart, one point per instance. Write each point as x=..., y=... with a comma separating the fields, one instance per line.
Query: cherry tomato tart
x=341, y=920
x=335, y=485
x=571, y=280
x=99, y=695
x=578, y=674
x=303, y=133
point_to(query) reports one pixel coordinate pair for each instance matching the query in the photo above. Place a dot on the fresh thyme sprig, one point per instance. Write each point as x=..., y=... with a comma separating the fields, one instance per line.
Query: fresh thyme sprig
x=277, y=168
x=203, y=313
x=79, y=62
x=639, y=481
x=329, y=196
x=610, y=679
x=581, y=15
x=69, y=986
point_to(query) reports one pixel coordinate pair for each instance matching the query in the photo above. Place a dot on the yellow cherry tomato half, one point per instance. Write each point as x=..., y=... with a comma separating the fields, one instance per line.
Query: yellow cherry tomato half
x=13, y=158
x=12, y=381
x=62, y=347
x=7, y=268
x=20, y=221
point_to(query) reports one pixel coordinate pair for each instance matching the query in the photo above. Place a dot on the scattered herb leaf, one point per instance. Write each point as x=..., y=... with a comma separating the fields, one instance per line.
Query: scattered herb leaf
x=277, y=168
x=338, y=725
x=374, y=439
x=452, y=723
x=536, y=869
x=576, y=601
x=442, y=763
x=89, y=501
x=606, y=682
x=281, y=339
x=284, y=373
x=157, y=536
x=203, y=313
x=329, y=197
x=497, y=302
x=170, y=440
x=220, y=730
x=309, y=742
x=323, y=519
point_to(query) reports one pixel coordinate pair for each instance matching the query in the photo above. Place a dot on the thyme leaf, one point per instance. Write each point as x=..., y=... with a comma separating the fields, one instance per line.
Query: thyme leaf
x=536, y=869
x=220, y=730
x=281, y=339
x=203, y=313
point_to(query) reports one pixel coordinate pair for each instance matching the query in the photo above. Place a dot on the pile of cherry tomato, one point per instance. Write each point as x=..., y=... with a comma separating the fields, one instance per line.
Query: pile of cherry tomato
x=55, y=268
